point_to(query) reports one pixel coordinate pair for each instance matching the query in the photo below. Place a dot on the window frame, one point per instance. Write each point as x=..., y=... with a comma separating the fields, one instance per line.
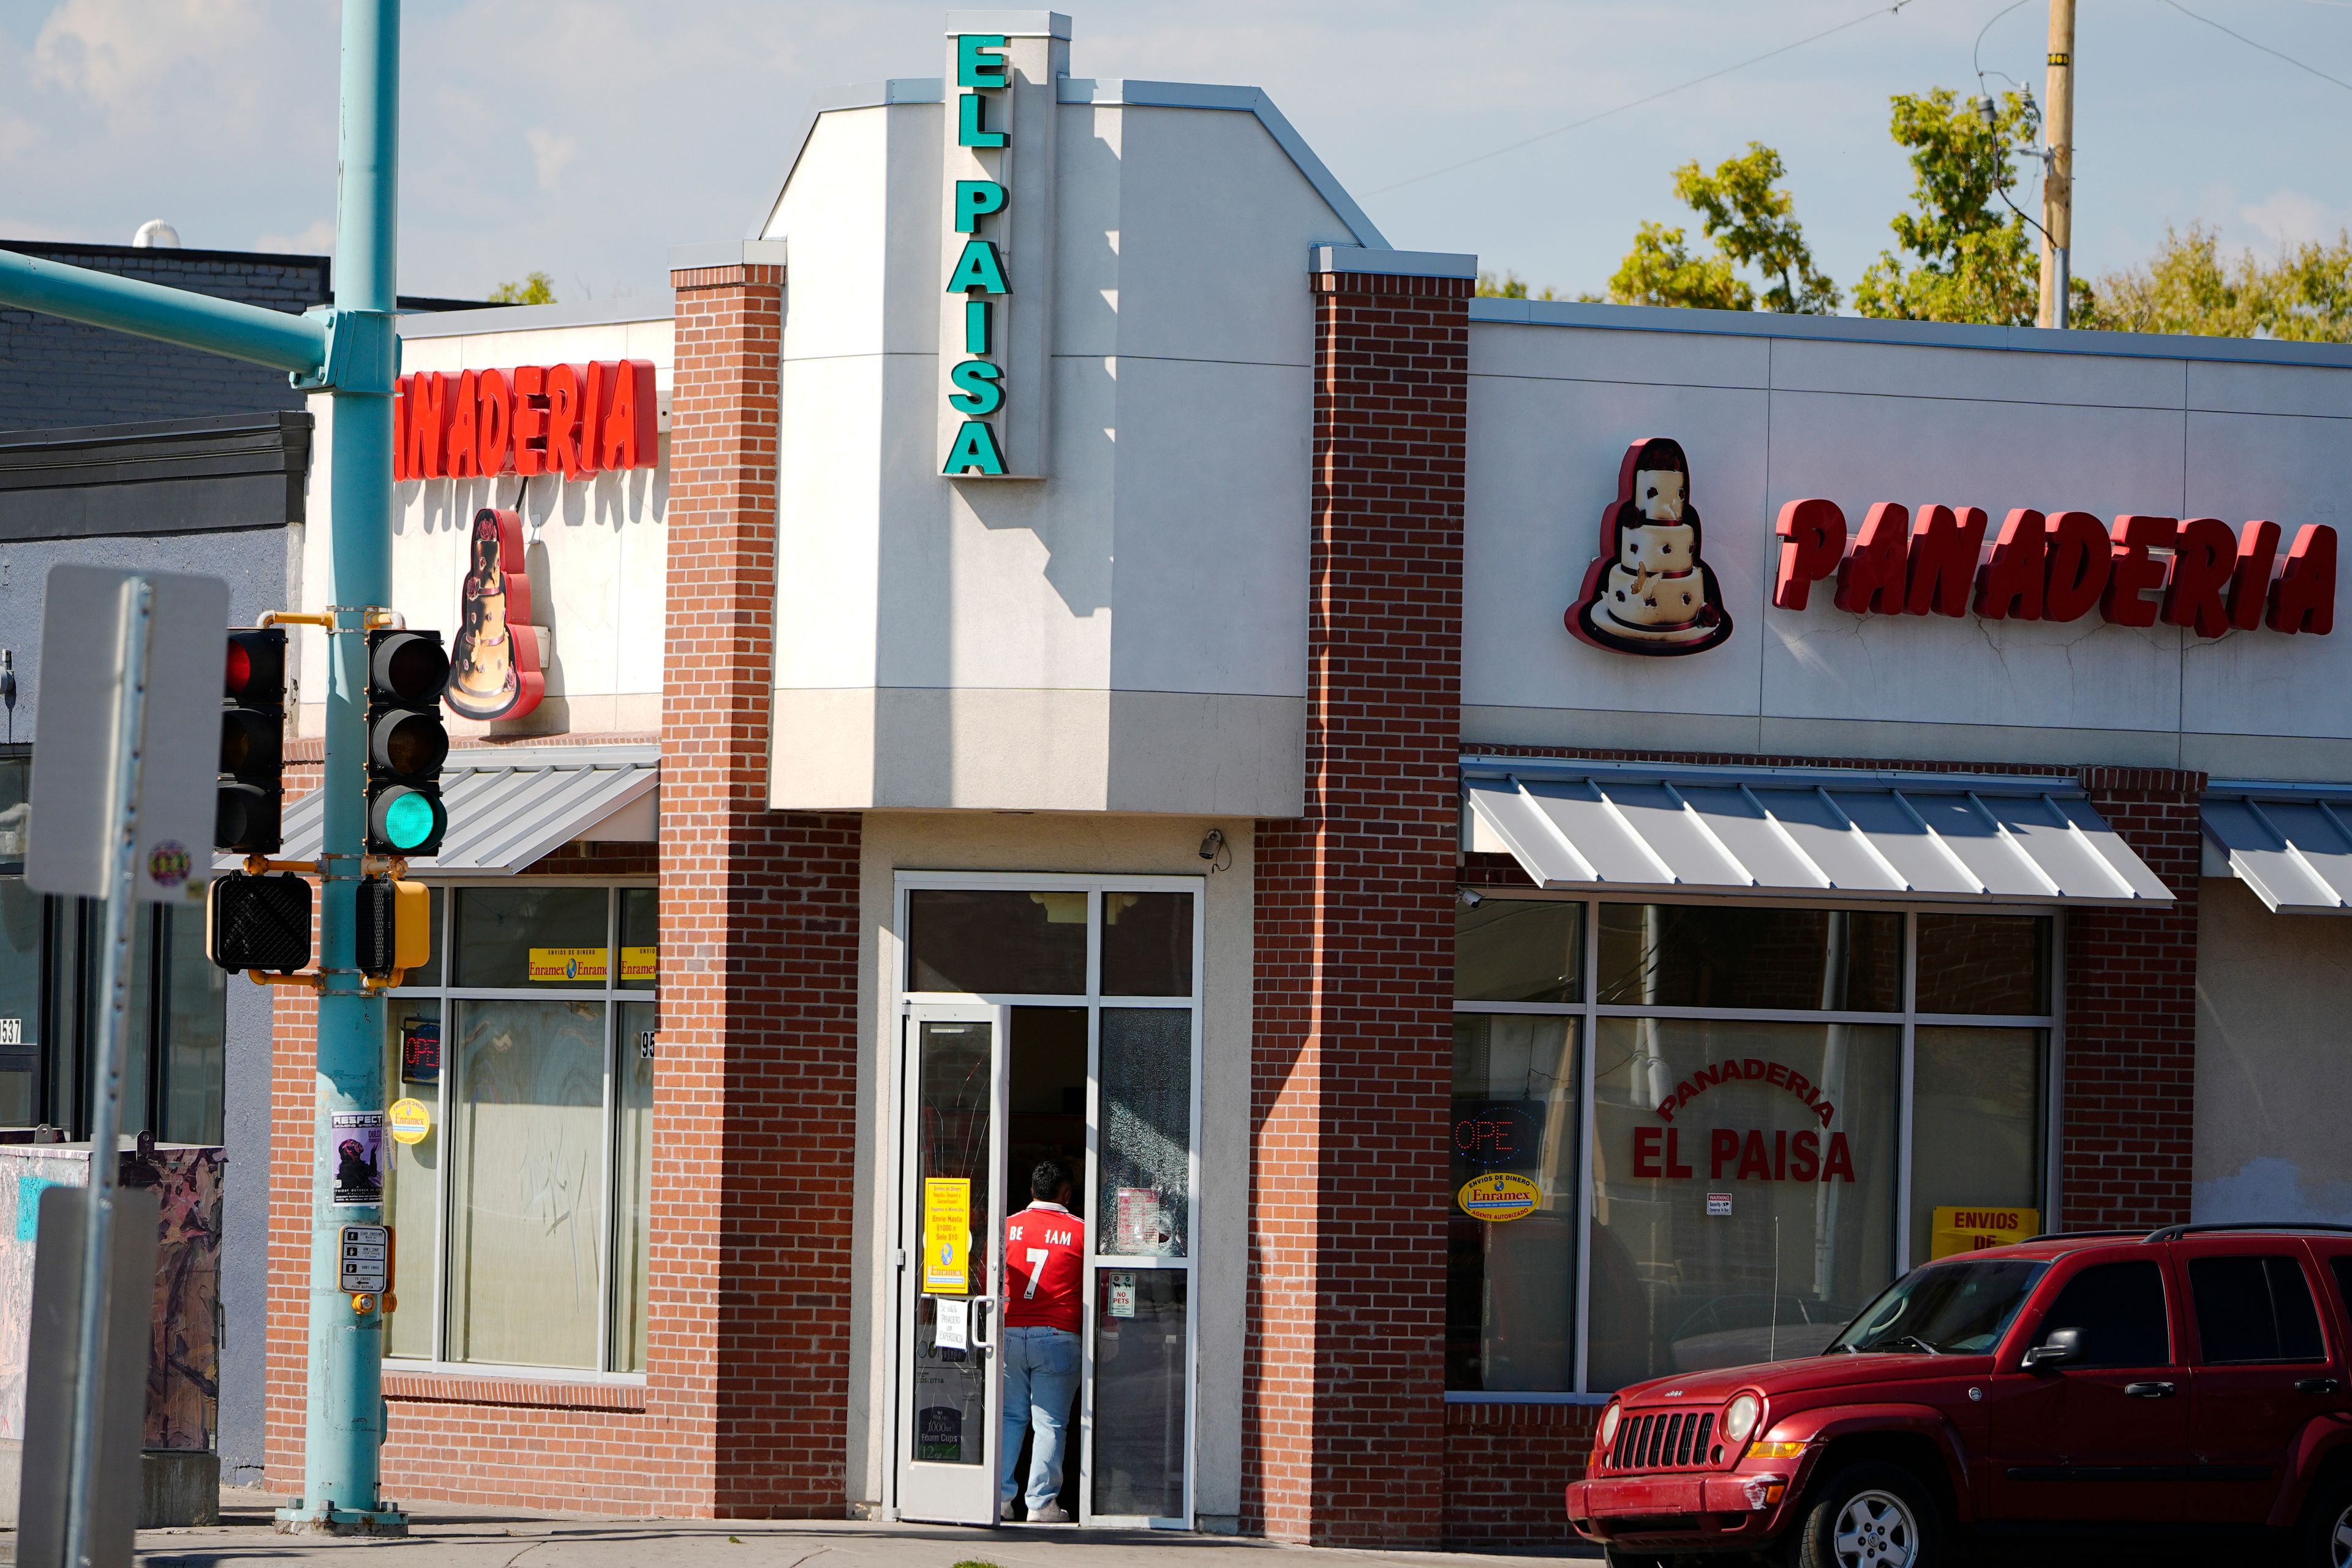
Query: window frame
x=448, y=996
x=1589, y=1012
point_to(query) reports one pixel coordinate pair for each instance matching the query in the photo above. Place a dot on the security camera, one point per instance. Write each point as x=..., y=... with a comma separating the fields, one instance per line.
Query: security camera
x=1471, y=897
x=1212, y=843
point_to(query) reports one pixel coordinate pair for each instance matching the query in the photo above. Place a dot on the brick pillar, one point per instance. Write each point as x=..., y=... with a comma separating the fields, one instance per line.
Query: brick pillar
x=2131, y=1016
x=1344, y=1420
x=754, y=1098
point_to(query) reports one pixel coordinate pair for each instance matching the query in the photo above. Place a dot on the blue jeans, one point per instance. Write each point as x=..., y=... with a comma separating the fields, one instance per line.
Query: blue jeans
x=1041, y=1376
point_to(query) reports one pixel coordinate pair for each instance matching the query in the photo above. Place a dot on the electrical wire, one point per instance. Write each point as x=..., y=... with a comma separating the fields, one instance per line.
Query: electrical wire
x=1639, y=102
x=1975, y=54
x=2265, y=48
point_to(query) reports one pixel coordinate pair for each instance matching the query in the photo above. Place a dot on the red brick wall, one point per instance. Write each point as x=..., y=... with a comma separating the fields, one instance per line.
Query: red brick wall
x=1343, y=1386
x=1506, y=1472
x=2131, y=1016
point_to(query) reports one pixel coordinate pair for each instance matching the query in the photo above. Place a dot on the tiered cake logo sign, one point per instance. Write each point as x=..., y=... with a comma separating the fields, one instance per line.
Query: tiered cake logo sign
x=497, y=666
x=1650, y=591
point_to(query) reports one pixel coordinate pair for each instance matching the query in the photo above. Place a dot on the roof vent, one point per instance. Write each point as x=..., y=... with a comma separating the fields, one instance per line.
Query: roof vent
x=157, y=234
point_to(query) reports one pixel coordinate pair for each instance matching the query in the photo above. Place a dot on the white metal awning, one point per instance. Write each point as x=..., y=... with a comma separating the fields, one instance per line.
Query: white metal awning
x=2292, y=843
x=1814, y=834
x=510, y=807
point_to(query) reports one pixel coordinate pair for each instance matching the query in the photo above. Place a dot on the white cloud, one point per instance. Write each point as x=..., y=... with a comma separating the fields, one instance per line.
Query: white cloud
x=124, y=55
x=318, y=240
x=551, y=153
x=17, y=135
x=2289, y=217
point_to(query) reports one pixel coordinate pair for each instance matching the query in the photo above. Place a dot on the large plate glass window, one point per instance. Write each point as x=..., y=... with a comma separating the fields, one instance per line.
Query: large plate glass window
x=523, y=1209
x=1731, y=1137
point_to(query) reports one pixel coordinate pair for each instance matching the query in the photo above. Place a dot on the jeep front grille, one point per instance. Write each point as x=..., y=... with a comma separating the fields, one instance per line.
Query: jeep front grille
x=1661, y=1440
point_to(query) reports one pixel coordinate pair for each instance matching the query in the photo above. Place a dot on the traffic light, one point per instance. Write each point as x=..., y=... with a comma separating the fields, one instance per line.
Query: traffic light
x=258, y=922
x=253, y=743
x=406, y=743
x=392, y=927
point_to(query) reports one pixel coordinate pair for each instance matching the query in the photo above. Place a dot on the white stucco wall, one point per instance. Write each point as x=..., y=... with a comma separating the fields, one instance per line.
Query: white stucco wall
x=1767, y=419
x=1099, y=846
x=1128, y=632
x=597, y=549
x=2274, y=1060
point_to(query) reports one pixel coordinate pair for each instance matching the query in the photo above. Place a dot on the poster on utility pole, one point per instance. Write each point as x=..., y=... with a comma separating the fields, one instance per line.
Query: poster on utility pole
x=358, y=1159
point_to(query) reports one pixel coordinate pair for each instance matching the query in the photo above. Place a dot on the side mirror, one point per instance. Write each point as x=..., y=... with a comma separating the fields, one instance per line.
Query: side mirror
x=2056, y=1349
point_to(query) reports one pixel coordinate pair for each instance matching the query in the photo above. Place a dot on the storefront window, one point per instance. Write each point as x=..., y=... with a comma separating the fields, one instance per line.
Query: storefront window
x=992, y=942
x=1734, y=956
x=523, y=1211
x=1744, y=1179
x=1146, y=1167
x=1743, y=1186
x=1511, y=1275
x=20, y=1001
x=1977, y=1123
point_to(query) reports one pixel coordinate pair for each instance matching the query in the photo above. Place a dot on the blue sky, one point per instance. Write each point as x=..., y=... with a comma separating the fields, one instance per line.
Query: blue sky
x=585, y=138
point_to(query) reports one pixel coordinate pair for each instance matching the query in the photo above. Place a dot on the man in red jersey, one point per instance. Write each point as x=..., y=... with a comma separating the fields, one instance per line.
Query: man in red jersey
x=1045, y=1251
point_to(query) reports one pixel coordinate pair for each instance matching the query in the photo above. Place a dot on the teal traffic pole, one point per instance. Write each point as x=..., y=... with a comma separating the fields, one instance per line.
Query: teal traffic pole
x=344, y=1429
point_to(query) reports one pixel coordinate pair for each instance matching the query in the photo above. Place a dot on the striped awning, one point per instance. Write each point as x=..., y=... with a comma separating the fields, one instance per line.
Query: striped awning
x=2292, y=843
x=507, y=808
x=1813, y=833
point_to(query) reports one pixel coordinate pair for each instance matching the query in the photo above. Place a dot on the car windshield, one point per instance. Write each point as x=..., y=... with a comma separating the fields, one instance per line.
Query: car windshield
x=1947, y=1309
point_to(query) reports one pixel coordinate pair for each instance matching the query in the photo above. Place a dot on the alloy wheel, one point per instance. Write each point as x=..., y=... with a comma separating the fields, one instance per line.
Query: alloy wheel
x=2339, y=1539
x=1876, y=1530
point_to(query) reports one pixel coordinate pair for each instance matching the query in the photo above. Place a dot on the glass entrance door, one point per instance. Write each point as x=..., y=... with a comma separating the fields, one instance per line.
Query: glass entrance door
x=1052, y=1040
x=953, y=1216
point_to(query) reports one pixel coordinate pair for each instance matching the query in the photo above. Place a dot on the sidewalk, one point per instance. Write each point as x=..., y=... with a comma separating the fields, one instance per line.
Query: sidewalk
x=446, y=1535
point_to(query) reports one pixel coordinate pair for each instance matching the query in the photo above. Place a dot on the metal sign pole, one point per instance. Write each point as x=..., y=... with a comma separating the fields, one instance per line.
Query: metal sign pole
x=106, y=1121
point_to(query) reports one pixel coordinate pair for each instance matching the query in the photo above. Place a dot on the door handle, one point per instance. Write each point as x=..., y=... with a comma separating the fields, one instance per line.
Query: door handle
x=979, y=1310
x=2320, y=1385
x=2148, y=1391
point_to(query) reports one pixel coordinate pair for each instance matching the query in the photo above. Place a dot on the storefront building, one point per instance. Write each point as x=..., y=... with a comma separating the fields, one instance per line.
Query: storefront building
x=1162, y=702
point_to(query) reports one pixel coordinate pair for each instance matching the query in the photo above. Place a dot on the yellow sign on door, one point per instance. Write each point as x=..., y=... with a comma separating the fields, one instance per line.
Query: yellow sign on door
x=1959, y=1230
x=947, y=1236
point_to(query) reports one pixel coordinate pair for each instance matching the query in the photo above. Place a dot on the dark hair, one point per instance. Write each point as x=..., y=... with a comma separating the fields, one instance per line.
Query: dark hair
x=1046, y=1182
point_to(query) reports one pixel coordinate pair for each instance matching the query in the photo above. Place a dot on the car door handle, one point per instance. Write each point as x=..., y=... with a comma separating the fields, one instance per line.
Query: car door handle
x=2148, y=1391
x=2320, y=1385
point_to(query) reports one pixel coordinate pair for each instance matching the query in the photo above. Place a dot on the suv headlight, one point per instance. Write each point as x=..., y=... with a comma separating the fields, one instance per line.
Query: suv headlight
x=1609, y=1423
x=1739, y=1418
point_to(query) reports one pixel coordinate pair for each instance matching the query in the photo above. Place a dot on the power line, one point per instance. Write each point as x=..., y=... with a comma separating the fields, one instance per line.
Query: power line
x=1639, y=102
x=2265, y=48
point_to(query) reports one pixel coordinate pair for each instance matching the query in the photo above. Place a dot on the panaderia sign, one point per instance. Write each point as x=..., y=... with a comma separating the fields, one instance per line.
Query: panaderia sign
x=1650, y=591
x=1755, y=1154
x=573, y=420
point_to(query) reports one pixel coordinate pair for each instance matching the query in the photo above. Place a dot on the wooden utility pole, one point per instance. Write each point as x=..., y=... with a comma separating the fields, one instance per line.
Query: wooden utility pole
x=2058, y=187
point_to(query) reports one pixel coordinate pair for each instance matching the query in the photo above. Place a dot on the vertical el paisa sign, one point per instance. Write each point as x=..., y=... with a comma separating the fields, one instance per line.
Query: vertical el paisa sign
x=997, y=252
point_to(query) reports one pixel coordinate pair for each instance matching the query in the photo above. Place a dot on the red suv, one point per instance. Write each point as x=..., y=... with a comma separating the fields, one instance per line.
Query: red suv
x=2192, y=1379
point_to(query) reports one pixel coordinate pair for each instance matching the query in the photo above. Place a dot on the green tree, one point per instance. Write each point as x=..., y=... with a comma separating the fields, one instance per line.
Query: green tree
x=1970, y=256
x=1661, y=270
x=2187, y=285
x=1508, y=286
x=1752, y=222
x=536, y=288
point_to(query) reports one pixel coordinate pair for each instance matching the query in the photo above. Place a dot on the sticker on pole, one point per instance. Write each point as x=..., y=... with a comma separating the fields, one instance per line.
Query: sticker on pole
x=1498, y=1197
x=410, y=1121
x=1718, y=1205
x=358, y=1140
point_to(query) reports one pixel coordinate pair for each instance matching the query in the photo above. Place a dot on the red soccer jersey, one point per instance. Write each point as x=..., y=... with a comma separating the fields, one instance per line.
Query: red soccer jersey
x=1045, y=1248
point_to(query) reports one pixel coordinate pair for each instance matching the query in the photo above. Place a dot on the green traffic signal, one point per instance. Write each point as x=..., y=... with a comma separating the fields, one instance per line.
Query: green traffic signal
x=406, y=742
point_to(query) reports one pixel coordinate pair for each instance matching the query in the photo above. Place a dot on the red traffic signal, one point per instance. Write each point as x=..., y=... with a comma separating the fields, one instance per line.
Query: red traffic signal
x=252, y=767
